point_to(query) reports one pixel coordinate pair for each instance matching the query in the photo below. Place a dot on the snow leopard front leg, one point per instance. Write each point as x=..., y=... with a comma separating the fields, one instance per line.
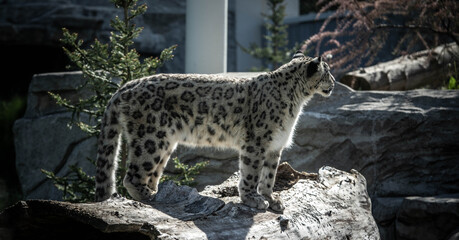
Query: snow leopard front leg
x=267, y=180
x=250, y=165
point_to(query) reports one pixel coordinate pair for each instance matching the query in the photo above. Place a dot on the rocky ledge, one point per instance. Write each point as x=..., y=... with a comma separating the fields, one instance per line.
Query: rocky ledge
x=329, y=205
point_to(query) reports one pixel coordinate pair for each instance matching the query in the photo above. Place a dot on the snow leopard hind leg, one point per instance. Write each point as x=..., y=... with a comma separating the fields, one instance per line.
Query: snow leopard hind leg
x=147, y=157
x=108, y=145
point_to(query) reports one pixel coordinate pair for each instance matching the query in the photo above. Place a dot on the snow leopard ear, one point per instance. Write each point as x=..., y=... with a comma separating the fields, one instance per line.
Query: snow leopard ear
x=313, y=66
x=317, y=59
x=298, y=54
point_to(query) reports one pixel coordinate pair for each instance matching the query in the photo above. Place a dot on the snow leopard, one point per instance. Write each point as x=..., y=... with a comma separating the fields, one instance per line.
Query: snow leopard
x=255, y=116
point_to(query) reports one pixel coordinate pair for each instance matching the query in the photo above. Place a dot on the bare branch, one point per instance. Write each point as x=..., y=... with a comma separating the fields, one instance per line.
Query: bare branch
x=366, y=25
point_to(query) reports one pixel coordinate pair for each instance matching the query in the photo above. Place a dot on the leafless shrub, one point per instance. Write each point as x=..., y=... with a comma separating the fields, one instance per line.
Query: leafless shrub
x=367, y=25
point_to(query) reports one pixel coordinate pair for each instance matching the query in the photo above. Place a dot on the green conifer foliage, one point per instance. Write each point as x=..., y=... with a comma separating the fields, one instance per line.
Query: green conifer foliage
x=276, y=52
x=106, y=67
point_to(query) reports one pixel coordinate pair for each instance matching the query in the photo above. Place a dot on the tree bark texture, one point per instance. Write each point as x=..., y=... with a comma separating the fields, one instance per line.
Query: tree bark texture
x=425, y=68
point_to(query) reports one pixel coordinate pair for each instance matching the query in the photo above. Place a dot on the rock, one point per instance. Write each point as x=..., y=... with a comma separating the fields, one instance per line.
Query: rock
x=404, y=143
x=53, y=146
x=40, y=103
x=4, y=194
x=385, y=210
x=33, y=154
x=333, y=206
x=427, y=218
x=408, y=72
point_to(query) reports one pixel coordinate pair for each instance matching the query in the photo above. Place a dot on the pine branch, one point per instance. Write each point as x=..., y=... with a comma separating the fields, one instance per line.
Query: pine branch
x=100, y=64
x=276, y=52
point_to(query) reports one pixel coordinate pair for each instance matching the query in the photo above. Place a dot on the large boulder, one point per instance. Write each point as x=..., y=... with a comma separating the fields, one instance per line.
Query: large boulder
x=404, y=143
x=333, y=205
x=429, y=218
x=43, y=139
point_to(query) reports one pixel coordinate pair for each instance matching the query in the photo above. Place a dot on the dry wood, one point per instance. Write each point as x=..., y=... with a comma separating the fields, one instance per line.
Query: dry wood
x=424, y=68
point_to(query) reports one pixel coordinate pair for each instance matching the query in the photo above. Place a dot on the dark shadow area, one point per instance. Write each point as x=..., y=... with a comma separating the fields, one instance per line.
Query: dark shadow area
x=48, y=228
x=48, y=223
x=210, y=214
x=214, y=174
x=18, y=64
x=214, y=217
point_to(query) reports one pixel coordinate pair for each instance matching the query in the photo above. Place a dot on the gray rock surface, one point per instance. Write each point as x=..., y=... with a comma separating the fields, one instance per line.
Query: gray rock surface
x=335, y=205
x=404, y=143
x=43, y=139
x=435, y=217
x=385, y=210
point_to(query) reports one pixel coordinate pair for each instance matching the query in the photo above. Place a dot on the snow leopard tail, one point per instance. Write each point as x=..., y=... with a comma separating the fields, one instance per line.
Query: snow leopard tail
x=108, y=145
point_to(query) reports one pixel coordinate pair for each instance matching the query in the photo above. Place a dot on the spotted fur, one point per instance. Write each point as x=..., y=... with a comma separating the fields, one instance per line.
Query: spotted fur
x=254, y=116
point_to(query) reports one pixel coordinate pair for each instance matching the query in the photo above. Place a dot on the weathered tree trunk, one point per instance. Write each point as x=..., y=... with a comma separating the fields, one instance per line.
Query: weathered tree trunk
x=407, y=72
x=329, y=205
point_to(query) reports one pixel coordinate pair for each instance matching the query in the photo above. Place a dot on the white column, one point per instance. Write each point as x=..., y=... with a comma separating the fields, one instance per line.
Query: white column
x=206, y=36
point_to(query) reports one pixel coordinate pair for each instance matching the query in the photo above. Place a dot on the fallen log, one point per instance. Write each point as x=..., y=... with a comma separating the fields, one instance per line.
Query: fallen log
x=408, y=72
x=329, y=205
